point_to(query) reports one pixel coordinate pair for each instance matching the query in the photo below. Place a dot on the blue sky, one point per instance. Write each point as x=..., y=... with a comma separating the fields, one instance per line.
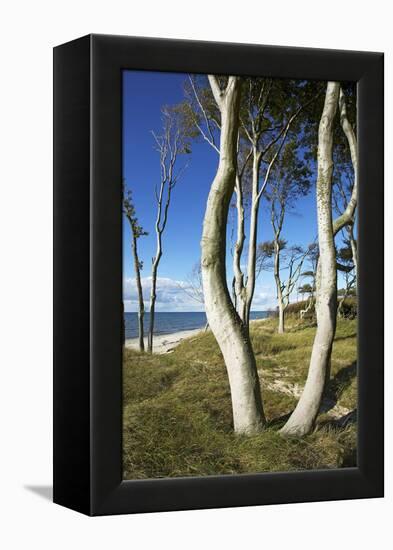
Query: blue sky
x=144, y=93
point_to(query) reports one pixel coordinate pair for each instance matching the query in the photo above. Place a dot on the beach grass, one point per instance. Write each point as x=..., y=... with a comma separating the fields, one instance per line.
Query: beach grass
x=177, y=418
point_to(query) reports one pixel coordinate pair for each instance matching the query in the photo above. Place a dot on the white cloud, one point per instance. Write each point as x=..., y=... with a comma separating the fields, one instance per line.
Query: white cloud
x=174, y=295
x=171, y=295
x=264, y=298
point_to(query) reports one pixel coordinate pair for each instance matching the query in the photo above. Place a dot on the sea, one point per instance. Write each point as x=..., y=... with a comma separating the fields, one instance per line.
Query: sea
x=168, y=323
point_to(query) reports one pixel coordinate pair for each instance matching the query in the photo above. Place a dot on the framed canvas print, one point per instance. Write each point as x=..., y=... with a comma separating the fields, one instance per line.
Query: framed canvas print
x=218, y=275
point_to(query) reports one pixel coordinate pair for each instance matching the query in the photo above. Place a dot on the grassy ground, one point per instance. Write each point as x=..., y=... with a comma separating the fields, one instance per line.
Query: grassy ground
x=177, y=409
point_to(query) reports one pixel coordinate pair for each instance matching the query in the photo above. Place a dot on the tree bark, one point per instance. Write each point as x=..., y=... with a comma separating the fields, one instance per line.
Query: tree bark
x=277, y=278
x=252, y=246
x=281, y=317
x=153, y=294
x=141, y=309
x=348, y=215
x=226, y=325
x=168, y=145
x=302, y=420
x=238, y=281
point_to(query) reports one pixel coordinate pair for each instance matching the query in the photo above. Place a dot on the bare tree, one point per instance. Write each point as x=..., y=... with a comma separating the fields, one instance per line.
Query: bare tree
x=293, y=259
x=137, y=231
x=276, y=256
x=303, y=417
x=193, y=286
x=289, y=182
x=169, y=145
x=311, y=274
x=227, y=327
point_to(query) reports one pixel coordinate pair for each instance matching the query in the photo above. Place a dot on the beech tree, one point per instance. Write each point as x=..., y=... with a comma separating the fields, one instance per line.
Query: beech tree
x=289, y=182
x=286, y=262
x=303, y=417
x=170, y=144
x=292, y=260
x=342, y=193
x=311, y=275
x=268, y=110
x=268, y=113
x=137, y=231
x=227, y=327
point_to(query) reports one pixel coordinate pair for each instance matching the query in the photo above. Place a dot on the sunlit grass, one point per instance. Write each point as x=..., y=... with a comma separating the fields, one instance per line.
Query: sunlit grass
x=177, y=407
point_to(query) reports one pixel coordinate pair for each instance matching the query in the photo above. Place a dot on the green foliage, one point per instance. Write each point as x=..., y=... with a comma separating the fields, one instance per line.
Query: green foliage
x=349, y=307
x=130, y=214
x=305, y=289
x=177, y=409
x=345, y=257
x=295, y=308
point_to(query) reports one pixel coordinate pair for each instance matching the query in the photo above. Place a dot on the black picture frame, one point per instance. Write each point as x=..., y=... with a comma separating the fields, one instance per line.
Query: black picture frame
x=88, y=275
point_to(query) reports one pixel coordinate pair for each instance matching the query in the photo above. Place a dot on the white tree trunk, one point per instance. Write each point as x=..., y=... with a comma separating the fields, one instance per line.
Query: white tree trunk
x=239, y=289
x=277, y=278
x=252, y=246
x=153, y=295
x=281, y=317
x=154, y=271
x=303, y=417
x=229, y=331
x=141, y=308
x=348, y=215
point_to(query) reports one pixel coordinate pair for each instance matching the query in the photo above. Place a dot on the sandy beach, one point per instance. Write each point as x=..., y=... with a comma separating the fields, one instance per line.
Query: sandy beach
x=164, y=343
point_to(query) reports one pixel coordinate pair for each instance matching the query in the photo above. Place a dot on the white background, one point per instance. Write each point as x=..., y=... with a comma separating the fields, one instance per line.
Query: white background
x=29, y=30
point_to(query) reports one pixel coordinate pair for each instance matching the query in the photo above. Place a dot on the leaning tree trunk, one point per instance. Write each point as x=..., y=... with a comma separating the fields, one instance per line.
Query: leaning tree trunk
x=226, y=325
x=303, y=417
x=141, y=310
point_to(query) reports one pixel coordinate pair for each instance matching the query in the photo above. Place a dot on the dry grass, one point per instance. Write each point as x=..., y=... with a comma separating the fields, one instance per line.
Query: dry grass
x=177, y=409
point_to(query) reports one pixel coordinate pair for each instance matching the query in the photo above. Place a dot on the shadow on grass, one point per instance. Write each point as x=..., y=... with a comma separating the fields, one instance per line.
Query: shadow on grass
x=279, y=421
x=306, y=324
x=341, y=381
x=336, y=387
x=347, y=337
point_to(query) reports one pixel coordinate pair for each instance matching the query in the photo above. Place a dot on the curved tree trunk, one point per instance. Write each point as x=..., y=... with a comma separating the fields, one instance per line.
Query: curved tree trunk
x=226, y=325
x=141, y=310
x=239, y=291
x=348, y=215
x=309, y=305
x=354, y=248
x=303, y=418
